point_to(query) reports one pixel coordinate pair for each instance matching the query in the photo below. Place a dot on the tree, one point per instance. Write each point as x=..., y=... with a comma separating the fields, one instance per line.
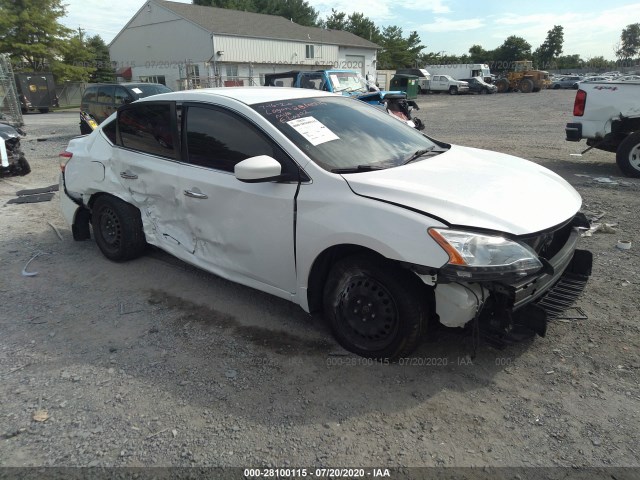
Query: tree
x=629, y=42
x=336, y=21
x=76, y=62
x=397, y=51
x=477, y=54
x=513, y=49
x=363, y=27
x=550, y=48
x=569, y=62
x=104, y=71
x=31, y=33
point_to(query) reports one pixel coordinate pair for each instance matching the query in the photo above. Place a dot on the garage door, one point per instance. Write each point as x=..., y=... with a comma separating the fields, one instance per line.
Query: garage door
x=355, y=62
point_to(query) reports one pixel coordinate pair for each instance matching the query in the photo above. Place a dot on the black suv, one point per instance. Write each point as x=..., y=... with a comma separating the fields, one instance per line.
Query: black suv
x=101, y=100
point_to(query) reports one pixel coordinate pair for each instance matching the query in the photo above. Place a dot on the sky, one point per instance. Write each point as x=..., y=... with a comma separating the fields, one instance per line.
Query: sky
x=591, y=27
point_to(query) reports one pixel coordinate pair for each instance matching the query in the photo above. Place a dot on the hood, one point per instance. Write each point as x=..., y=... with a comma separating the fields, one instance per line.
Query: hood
x=475, y=188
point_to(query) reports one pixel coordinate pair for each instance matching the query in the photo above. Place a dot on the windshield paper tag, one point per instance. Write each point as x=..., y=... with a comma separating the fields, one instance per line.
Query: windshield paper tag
x=137, y=90
x=312, y=130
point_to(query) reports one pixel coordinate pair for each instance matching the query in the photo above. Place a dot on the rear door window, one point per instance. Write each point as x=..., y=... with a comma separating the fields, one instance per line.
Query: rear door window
x=149, y=128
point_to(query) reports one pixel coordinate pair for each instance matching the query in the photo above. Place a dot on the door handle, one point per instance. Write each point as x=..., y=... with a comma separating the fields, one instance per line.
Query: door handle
x=128, y=175
x=198, y=195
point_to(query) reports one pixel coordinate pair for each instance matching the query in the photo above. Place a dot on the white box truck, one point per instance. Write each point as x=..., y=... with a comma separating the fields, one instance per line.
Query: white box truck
x=461, y=70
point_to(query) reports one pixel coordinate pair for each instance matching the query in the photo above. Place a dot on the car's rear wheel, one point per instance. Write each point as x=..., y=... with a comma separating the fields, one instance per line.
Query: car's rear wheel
x=117, y=228
x=374, y=308
x=628, y=155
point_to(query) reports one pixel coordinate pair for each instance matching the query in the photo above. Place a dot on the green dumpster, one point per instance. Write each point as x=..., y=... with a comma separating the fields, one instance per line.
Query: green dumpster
x=406, y=83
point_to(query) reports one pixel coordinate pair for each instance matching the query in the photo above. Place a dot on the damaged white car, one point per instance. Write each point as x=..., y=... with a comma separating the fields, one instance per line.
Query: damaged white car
x=327, y=202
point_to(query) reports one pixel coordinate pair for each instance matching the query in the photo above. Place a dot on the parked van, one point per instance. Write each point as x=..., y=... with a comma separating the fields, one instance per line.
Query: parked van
x=101, y=100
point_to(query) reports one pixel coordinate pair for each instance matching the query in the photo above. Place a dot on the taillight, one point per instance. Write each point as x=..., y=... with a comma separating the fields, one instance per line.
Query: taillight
x=64, y=158
x=578, y=105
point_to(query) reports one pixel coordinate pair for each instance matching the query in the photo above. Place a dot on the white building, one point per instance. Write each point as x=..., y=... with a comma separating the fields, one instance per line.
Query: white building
x=191, y=46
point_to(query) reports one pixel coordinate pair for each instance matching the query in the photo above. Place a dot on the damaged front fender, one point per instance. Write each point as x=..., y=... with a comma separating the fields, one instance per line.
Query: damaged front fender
x=12, y=159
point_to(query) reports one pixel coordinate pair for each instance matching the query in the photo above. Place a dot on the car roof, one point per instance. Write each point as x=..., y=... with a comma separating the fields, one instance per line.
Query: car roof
x=247, y=95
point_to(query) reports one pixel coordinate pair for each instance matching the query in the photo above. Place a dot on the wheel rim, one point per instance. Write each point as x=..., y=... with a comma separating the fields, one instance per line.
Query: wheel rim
x=110, y=228
x=368, y=316
x=634, y=157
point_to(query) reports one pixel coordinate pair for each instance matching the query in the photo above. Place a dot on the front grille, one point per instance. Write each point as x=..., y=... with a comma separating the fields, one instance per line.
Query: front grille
x=549, y=243
x=563, y=294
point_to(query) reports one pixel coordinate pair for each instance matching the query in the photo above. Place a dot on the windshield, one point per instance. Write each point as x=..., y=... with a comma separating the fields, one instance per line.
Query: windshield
x=347, y=82
x=343, y=133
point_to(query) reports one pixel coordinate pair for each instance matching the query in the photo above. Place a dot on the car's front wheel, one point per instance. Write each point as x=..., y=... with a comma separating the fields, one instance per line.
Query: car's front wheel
x=117, y=228
x=628, y=155
x=453, y=90
x=375, y=309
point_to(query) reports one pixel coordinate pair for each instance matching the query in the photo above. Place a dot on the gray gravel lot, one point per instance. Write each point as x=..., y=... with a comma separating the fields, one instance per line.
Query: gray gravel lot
x=156, y=363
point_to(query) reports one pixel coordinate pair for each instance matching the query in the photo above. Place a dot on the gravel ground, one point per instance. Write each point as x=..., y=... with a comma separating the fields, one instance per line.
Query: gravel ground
x=156, y=363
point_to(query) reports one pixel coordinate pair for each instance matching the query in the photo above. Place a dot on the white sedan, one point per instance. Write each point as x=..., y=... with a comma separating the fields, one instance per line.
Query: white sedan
x=332, y=204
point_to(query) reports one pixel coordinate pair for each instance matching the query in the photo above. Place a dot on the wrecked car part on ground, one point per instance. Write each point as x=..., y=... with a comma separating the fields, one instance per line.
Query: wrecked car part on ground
x=12, y=159
x=335, y=206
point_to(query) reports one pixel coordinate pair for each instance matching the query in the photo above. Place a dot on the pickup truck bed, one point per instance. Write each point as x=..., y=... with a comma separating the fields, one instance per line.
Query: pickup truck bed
x=607, y=115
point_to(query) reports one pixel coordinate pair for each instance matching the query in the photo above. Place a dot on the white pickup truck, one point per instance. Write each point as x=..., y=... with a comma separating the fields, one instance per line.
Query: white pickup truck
x=445, y=83
x=607, y=114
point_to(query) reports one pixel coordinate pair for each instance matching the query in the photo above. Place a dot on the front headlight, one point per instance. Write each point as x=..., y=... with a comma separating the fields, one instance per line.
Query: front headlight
x=478, y=256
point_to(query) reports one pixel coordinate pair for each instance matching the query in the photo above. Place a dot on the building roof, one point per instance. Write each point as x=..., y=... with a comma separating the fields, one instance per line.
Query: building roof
x=258, y=25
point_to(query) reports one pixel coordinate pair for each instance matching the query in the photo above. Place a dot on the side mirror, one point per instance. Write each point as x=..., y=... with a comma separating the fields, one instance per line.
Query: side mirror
x=262, y=168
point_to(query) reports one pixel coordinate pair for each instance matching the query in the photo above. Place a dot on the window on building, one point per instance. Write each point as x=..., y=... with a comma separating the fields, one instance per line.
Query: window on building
x=147, y=127
x=154, y=79
x=232, y=72
x=193, y=74
x=309, y=51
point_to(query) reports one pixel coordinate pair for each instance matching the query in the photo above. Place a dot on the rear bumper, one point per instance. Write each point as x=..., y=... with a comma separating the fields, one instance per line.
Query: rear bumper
x=573, y=132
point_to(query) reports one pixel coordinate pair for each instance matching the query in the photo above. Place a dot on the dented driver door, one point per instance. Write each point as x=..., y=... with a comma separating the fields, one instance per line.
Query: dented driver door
x=242, y=231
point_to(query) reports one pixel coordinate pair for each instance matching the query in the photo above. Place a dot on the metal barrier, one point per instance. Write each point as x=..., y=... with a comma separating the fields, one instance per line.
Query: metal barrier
x=10, y=111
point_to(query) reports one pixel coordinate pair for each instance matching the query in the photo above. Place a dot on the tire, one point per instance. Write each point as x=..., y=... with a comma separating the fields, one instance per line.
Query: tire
x=453, y=90
x=43, y=110
x=390, y=298
x=526, y=85
x=117, y=228
x=557, y=87
x=503, y=85
x=483, y=91
x=628, y=155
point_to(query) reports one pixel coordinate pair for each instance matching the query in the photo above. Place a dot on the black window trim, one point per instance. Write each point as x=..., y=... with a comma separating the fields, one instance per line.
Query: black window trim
x=303, y=176
x=174, y=129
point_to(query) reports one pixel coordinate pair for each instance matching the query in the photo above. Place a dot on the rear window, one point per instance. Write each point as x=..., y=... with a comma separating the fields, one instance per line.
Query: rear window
x=146, y=90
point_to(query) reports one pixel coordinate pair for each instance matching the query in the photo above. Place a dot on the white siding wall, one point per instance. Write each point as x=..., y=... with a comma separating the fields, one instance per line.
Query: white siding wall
x=267, y=51
x=158, y=42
